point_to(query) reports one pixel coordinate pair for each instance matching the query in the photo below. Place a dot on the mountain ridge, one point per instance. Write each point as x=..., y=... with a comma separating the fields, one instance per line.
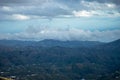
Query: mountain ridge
x=100, y=62
x=50, y=43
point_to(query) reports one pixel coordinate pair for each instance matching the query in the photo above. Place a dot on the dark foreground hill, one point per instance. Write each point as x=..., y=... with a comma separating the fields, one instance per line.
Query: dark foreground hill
x=60, y=60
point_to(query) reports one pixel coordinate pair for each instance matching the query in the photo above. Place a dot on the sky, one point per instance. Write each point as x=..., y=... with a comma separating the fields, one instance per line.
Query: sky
x=81, y=20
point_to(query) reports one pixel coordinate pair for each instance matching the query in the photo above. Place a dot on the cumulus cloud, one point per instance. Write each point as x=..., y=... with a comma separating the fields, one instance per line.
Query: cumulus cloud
x=97, y=9
x=33, y=33
x=15, y=17
x=96, y=5
x=19, y=17
x=85, y=13
x=59, y=8
x=6, y=8
x=37, y=9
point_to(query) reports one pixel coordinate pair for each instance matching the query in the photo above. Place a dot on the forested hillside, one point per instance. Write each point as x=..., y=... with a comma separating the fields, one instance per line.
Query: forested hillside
x=60, y=60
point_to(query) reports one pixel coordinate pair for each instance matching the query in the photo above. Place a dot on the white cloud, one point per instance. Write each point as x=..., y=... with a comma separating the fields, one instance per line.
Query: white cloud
x=19, y=17
x=64, y=34
x=91, y=13
x=96, y=5
x=110, y=5
x=95, y=8
x=83, y=13
x=55, y=8
x=6, y=8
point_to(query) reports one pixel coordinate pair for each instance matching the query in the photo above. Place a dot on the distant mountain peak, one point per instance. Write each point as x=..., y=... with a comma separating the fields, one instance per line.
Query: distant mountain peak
x=116, y=41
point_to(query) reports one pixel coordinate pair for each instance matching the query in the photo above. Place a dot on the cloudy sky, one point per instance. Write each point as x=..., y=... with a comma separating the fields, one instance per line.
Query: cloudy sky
x=93, y=20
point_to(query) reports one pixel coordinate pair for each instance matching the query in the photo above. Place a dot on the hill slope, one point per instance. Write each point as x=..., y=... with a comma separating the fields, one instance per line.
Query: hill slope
x=52, y=61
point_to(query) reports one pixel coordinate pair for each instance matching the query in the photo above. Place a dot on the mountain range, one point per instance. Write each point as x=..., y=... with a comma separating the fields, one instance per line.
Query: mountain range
x=61, y=60
x=50, y=43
